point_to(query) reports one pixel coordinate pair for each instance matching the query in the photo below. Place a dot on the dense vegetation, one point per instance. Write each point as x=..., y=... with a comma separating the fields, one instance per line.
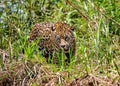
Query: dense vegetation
x=97, y=34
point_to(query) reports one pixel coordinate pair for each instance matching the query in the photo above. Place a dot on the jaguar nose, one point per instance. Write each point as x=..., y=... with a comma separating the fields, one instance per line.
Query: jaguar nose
x=64, y=45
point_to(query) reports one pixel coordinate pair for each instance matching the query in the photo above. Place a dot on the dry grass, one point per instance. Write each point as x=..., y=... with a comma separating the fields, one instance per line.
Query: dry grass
x=97, y=39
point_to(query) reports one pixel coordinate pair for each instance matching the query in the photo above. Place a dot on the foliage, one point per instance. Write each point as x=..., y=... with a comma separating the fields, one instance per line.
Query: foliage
x=97, y=33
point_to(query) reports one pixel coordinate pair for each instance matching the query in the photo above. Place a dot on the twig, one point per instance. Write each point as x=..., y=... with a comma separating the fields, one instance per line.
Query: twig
x=78, y=9
x=101, y=80
x=98, y=9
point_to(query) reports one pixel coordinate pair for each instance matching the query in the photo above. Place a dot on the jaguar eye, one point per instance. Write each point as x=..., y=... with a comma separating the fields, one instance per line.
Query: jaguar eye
x=66, y=38
x=52, y=28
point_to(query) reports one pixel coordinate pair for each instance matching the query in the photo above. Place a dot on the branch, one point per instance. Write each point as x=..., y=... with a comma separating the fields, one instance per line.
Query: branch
x=78, y=9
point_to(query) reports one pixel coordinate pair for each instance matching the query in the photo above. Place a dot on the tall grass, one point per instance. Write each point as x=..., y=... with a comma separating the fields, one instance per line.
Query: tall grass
x=97, y=33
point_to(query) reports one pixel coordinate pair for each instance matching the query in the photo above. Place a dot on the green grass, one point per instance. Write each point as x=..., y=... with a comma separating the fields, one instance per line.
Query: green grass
x=97, y=33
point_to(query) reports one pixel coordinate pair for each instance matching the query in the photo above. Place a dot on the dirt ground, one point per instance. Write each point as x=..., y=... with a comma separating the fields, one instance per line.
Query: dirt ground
x=27, y=73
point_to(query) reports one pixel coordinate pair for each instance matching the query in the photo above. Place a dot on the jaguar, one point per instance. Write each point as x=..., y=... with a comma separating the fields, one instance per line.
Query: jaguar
x=54, y=37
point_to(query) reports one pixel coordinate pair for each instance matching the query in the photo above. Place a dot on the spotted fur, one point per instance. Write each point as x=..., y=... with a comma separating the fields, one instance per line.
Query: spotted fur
x=54, y=37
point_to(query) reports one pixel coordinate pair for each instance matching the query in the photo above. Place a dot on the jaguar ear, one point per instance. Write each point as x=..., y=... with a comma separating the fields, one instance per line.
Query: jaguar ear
x=53, y=28
x=73, y=28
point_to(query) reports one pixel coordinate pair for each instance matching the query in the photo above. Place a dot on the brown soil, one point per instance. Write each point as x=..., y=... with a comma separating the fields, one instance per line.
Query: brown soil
x=27, y=73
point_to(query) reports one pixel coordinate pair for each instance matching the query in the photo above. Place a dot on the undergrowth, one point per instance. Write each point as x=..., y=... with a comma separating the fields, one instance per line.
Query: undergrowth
x=97, y=33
